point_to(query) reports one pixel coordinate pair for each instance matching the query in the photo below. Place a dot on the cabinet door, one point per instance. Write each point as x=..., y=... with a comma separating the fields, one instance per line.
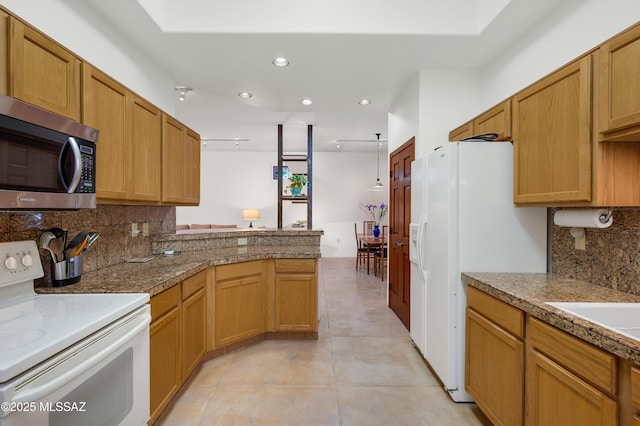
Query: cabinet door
x=296, y=302
x=239, y=302
x=193, y=331
x=557, y=397
x=462, y=132
x=145, y=127
x=191, y=160
x=173, y=134
x=552, y=137
x=496, y=120
x=104, y=107
x=165, y=366
x=43, y=73
x=494, y=372
x=619, y=114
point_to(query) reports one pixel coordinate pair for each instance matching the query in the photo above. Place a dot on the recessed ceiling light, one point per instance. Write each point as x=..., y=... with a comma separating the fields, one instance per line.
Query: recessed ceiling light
x=245, y=95
x=280, y=62
x=364, y=102
x=307, y=102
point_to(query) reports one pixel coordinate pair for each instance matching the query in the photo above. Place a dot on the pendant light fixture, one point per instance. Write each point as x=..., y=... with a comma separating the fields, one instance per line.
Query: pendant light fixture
x=378, y=184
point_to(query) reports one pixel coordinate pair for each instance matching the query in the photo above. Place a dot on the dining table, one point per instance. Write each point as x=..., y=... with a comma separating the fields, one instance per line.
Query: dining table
x=372, y=243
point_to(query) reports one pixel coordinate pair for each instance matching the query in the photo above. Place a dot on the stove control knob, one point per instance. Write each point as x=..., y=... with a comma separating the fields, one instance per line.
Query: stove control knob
x=11, y=263
x=27, y=260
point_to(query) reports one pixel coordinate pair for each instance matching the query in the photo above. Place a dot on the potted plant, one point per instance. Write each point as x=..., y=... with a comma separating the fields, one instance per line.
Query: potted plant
x=297, y=181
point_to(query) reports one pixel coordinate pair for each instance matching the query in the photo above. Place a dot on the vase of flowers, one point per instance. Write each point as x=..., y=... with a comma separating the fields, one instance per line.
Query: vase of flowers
x=376, y=212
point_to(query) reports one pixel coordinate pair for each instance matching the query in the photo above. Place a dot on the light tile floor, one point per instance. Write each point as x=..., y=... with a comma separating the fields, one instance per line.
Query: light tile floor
x=363, y=370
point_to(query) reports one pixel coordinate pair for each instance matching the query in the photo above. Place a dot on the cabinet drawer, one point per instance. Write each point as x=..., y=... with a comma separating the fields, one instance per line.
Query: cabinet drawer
x=237, y=270
x=164, y=302
x=596, y=366
x=296, y=265
x=193, y=284
x=506, y=316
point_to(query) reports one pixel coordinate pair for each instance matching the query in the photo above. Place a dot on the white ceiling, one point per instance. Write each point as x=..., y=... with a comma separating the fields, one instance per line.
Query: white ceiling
x=340, y=51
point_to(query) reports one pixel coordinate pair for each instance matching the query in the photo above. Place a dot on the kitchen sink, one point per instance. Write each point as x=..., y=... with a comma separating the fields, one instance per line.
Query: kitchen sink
x=621, y=317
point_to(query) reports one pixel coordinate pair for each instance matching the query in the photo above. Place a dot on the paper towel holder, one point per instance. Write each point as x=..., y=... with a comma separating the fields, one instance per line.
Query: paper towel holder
x=584, y=219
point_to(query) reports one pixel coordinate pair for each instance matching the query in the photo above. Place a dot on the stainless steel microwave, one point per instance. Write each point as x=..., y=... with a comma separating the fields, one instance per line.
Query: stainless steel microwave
x=46, y=161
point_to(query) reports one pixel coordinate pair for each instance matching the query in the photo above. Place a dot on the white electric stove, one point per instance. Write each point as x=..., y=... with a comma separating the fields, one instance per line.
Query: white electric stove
x=69, y=358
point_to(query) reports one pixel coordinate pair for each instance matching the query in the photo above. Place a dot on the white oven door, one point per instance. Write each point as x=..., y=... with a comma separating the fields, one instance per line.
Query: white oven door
x=102, y=380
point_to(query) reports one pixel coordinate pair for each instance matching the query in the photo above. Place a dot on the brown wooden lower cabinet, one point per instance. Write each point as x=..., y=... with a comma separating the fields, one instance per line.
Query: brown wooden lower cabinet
x=239, y=302
x=164, y=350
x=495, y=358
x=225, y=305
x=193, y=321
x=556, y=396
x=565, y=380
x=296, y=295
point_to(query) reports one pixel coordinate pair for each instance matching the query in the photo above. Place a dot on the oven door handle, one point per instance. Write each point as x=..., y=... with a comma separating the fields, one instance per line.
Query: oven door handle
x=77, y=164
x=39, y=392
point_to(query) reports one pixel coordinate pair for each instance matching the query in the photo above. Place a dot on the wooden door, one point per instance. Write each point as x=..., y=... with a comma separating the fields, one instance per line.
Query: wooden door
x=104, y=107
x=552, y=137
x=555, y=396
x=164, y=350
x=145, y=127
x=399, y=219
x=494, y=370
x=239, y=307
x=43, y=73
x=191, y=181
x=173, y=133
x=619, y=105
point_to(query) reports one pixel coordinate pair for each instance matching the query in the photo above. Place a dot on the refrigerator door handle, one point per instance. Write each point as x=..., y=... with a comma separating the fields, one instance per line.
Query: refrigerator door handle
x=421, y=245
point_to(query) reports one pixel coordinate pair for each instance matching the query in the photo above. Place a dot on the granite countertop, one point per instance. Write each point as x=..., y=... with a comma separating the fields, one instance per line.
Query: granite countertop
x=163, y=272
x=529, y=292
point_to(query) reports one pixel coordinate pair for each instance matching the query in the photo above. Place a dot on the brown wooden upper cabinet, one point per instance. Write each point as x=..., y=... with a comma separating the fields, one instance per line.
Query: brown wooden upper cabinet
x=180, y=163
x=619, y=112
x=461, y=132
x=41, y=72
x=145, y=127
x=552, y=137
x=495, y=120
x=105, y=107
x=128, y=149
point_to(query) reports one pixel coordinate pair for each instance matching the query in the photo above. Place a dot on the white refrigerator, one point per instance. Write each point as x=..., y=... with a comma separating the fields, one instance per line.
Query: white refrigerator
x=464, y=221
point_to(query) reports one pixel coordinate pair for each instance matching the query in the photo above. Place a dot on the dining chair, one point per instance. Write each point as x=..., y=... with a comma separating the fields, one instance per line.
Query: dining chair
x=380, y=256
x=362, y=251
x=367, y=227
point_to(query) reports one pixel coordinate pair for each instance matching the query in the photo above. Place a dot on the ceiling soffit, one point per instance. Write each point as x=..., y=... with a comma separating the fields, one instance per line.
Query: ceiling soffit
x=400, y=17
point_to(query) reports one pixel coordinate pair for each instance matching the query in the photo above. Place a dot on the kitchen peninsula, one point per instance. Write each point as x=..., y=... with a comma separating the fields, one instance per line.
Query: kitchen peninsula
x=220, y=290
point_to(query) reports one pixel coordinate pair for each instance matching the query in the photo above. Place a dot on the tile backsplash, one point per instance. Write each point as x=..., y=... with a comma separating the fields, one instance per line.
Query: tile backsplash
x=611, y=257
x=116, y=243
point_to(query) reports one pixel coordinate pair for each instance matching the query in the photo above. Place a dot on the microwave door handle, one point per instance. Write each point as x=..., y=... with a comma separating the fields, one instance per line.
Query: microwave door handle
x=77, y=165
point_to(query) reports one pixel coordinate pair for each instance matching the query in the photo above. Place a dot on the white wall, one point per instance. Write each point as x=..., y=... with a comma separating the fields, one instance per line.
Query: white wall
x=447, y=98
x=75, y=25
x=232, y=181
x=574, y=29
x=404, y=116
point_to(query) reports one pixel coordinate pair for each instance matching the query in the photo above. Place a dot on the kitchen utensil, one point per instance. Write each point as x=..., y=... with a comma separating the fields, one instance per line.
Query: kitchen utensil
x=45, y=240
x=57, y=249
x=93, y=236
x=80, y=247
x=75, y=242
